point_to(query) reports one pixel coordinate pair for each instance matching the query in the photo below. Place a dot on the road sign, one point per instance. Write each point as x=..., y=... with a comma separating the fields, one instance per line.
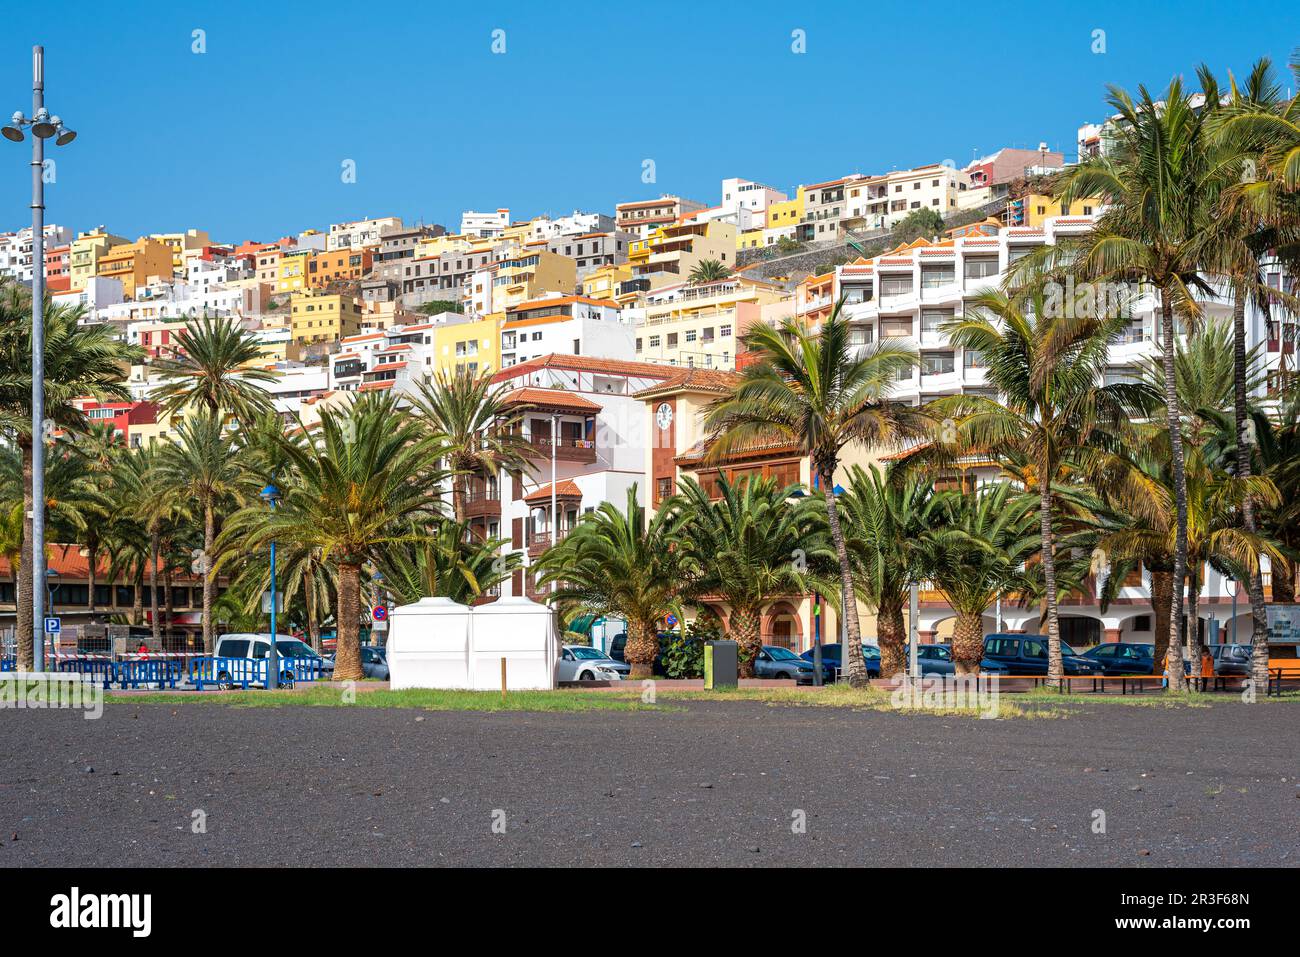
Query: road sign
x=380, y=613
x=53, y=626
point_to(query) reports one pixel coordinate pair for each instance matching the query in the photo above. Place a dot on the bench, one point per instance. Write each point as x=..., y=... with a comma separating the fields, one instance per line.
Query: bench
x=1279, y=670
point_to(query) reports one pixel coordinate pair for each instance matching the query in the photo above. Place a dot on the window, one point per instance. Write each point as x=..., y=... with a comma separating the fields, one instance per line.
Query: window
x=936, y=363
x=895, y=328
x=1003, y=647
x=933, y=319
x=895, y=285
x=1035, y=649
x=932, y=277
x=980, y=267
x=973, y=359
x=724, y=331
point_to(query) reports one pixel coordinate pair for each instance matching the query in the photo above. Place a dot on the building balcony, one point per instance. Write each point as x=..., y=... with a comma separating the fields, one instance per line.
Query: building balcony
x=582, y=451
x=482, y=503
x=539, y=540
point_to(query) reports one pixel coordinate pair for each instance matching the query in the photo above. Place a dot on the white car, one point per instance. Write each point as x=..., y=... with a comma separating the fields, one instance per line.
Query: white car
x=584, y=663
x=256, y=647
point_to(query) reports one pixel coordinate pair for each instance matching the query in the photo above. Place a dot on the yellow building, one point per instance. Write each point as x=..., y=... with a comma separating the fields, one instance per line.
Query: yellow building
x=701, y=325
x=1033, y=209
x=603, y=283
x=291, y=272
x=437, y=245
x=785, y=216
x=673, y=251
x=136, y=264
x=84, y=254
x=316, y=317
x=182, y=245
x=520, y=278
x=474, y=346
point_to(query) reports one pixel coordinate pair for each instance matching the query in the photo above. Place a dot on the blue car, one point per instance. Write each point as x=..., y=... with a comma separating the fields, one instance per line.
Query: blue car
x=1128, y=658
x=831, y=660
x=1027, y=655
x=937, y=660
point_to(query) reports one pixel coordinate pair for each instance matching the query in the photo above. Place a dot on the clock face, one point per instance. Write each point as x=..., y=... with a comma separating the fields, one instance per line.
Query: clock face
x=664, y=415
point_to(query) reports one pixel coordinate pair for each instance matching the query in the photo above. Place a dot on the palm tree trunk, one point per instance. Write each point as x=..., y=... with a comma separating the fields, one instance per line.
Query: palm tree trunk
x=893, y=636
x=137, y=603
x=347, y=659
x=169, y=607
x=1174, y=416
x=743, y=628
x=968, y=642
x=854, y=663
x=153, y=587
x=313, y=622
x=1162, y=599
x=641, y=649
x=1283, y=587
x=1055, y=665
x=92, y=556
x=209, y=582
x=1194, y=619
x=23, y=610
x=458, y=498
x=1255, y=583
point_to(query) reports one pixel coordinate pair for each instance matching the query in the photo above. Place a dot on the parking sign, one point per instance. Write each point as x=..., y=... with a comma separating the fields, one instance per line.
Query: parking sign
x=53, y=626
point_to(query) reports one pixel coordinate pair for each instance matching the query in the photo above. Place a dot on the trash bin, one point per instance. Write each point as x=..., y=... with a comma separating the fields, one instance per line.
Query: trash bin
x=721, y=664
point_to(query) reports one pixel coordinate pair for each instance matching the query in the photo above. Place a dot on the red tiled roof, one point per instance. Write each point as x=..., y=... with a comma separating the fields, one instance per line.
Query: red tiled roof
x=375, y=386
x=691, y=380
x=565, y=489
x=562, y=360
x=549, y=399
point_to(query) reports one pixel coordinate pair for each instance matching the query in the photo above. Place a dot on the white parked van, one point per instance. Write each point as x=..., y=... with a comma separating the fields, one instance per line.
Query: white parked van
x=255, y=647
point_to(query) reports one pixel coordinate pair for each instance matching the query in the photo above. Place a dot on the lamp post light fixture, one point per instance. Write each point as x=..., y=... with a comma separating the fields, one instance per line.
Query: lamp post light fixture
x=43, y=126
x=271, y=495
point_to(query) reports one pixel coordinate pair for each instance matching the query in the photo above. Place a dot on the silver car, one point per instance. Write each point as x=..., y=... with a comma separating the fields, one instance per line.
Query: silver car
x=582, y=663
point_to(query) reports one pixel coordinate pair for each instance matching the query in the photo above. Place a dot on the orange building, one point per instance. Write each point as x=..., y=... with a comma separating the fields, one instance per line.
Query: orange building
x=340, y=265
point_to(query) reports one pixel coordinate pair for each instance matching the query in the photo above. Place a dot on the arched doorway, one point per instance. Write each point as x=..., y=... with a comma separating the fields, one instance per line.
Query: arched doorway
x=1080, y=632
x=781, y=627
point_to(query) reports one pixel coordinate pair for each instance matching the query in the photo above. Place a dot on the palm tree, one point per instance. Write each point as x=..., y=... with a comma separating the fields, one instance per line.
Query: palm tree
x=148, y=497
x=212, y=368
x=1156, y=179
x=979, y=552
x=1258, y=136
x=1048, y=368
x=885, y=517
x=709, y=270
x=818, y=393
x=200, y=465
x=445, y=562
x=80, y=360
x=368, y=471
x=616, y=563
x=754, y=542
x=479, y=437
x=99, y=449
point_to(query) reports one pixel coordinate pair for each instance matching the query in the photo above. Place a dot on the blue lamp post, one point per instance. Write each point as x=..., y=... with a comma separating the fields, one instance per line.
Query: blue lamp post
x=271, y=495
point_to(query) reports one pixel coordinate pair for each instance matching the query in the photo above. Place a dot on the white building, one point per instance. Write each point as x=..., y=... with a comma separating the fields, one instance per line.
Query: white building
x=738, y=194
x=486, y=225
x=575, y=325
x=355, y=235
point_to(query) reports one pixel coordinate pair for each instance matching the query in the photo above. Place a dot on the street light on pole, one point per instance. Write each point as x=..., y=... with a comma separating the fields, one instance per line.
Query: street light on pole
x=43, y=127
x=271, y=495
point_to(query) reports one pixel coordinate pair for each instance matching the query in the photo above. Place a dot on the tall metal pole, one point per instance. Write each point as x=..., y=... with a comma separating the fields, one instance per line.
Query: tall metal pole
x=913, y=628
x=555, y=518
x=273, y=656
x=37, y=570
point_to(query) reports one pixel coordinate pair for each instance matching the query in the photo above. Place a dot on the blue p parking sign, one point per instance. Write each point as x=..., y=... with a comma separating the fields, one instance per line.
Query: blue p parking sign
x=53, y=626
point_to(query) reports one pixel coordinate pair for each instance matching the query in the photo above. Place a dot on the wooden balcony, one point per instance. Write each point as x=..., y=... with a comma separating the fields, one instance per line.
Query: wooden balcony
x=540, y=541
x=566, y=450
x=482, y=503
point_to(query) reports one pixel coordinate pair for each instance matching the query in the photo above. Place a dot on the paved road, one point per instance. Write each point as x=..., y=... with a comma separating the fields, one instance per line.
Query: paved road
x=716, y=784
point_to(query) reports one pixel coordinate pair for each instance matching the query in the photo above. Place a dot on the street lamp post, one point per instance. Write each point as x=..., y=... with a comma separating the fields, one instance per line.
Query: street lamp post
x=43, y=127
x=271, y=495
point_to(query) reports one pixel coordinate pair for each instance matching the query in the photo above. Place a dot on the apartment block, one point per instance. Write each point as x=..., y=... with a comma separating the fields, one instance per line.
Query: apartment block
x=643, y=217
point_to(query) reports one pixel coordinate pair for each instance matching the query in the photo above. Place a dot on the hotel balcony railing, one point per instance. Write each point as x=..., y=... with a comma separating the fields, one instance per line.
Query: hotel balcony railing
x=566, y=449
x=479, y=502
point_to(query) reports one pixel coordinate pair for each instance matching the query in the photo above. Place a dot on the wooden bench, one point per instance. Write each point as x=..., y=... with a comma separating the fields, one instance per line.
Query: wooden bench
x=1279, y=670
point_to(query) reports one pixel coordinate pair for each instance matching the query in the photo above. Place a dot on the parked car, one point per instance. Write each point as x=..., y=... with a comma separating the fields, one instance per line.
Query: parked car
x=831, y=660
x=258, y=646
x=937, y=660
x=1126, y=658
x=774, y=661
x=583, y=663
x=374, y=662
x=1027, y=655
x=1231, y=659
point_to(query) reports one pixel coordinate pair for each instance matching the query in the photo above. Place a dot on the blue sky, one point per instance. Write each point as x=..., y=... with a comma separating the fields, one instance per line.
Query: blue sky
x=248, y=139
